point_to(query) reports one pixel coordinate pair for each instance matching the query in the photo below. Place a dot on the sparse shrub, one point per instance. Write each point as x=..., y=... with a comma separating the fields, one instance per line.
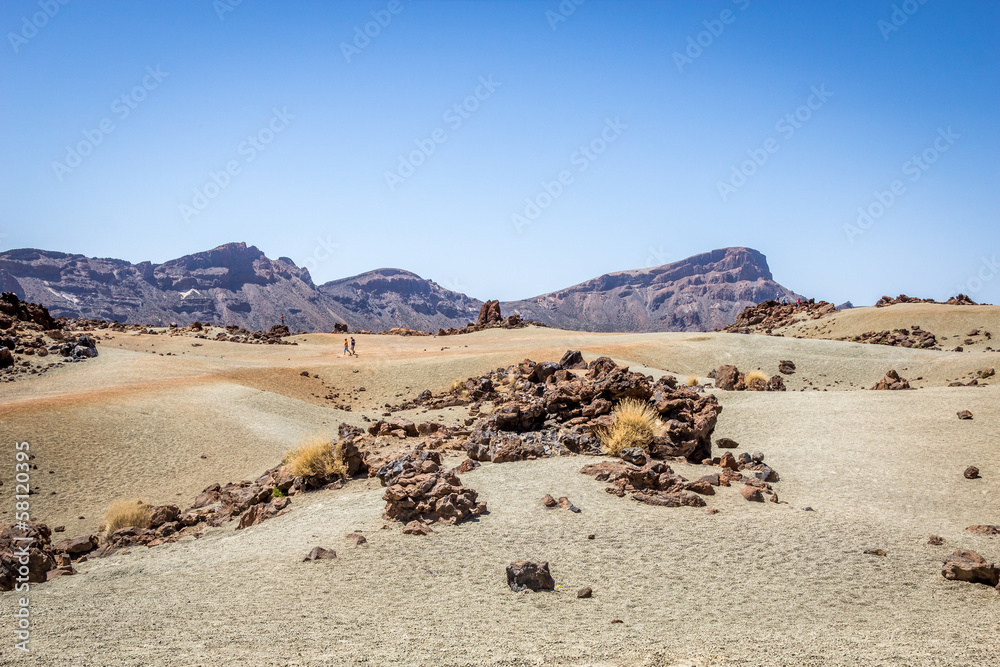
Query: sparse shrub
x=634, y=424
x=126, y=514
x=753, y=376
x=277, y=493
x=692, y=381
x=317, y=457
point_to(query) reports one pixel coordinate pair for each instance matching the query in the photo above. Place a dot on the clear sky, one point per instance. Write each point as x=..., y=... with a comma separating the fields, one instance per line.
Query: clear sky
x=587, y=138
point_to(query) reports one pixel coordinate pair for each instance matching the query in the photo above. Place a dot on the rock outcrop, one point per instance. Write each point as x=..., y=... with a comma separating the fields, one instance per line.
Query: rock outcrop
x=892, y=381
x=418, y=489
x=769, y=315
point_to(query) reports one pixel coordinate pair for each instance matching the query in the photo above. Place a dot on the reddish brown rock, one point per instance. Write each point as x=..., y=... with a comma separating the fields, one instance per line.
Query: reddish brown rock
x=935, y=540
x=77, y=546
x=726, y=443
x=752, y=494
x=891, y=381
x=320, y=553
x=729, y=461
x=964, y=414
x=972, y=472
x=465, y=466
x=416, y=528
x=417, y=489
x=357, y=539
x=969, y=566
x=984, y=530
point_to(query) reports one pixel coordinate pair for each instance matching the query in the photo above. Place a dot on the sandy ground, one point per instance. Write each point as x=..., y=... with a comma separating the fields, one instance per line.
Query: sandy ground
x=752, y=585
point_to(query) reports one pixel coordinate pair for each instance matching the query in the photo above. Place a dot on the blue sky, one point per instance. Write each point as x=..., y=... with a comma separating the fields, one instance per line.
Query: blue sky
x=588, y=138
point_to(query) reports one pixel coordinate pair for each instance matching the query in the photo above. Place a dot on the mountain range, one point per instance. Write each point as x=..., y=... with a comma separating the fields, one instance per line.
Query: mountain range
x=237, y=284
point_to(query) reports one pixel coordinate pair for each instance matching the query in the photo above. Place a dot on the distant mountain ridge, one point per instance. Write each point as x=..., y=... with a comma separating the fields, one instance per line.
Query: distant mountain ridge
x=238, y=284
x=701, y=293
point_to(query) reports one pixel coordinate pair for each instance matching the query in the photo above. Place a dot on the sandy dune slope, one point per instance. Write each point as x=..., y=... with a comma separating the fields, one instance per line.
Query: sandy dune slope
x=751, y=585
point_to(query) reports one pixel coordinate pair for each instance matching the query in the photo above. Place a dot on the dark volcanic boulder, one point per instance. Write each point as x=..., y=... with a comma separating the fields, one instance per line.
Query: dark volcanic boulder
x=526, y=575
x=572, y=359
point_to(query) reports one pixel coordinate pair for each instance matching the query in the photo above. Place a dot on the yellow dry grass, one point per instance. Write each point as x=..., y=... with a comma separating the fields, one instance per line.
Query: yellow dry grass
x=317, y=457
x=126, y=514
x=634, y=425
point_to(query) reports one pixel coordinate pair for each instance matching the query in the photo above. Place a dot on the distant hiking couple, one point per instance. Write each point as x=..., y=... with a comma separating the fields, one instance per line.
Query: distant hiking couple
x=349, y=347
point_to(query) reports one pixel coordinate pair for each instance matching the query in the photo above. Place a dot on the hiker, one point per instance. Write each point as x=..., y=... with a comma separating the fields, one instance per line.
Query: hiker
x=352, y=347
x=282, y=319
x=346, y=351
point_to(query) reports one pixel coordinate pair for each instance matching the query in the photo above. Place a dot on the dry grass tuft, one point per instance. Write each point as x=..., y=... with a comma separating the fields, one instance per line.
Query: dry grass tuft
x=317, y=457
x=126, y=514
x=753, y=376
x=634, y=425
x=692, y=381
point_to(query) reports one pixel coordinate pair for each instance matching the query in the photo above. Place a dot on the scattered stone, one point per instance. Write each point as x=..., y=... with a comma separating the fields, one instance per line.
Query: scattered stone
x=786, y=367
x=892, y=381
x=964, y=414
x=633, y=455
x=565, y=504
x=416, y=528
x=875, y=552
x=984, y=530
x=549, y=501
x=357, y=539
x=591, y=536
x=935, y=540
x=752, y=494
x=972, y=472
x=964, y=565
x=726, y=443
x=465, y=466
x=319, y=553
x=527, y=575
x=585, y=592
x=653, y=484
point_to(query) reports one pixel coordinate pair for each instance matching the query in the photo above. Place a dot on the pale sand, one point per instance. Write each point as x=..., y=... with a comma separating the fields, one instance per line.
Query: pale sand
x=752, y=585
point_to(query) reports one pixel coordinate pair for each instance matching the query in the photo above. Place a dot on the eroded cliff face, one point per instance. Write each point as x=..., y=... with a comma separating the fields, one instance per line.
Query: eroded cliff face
x=701, y=293
x=237, y=284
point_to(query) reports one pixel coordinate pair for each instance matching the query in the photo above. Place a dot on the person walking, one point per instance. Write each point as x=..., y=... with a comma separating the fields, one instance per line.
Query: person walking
x=352, y=347
x=346, y=350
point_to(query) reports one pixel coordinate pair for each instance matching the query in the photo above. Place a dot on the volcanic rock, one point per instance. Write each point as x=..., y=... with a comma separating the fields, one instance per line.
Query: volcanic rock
x=969, y=566
x=527, y=575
